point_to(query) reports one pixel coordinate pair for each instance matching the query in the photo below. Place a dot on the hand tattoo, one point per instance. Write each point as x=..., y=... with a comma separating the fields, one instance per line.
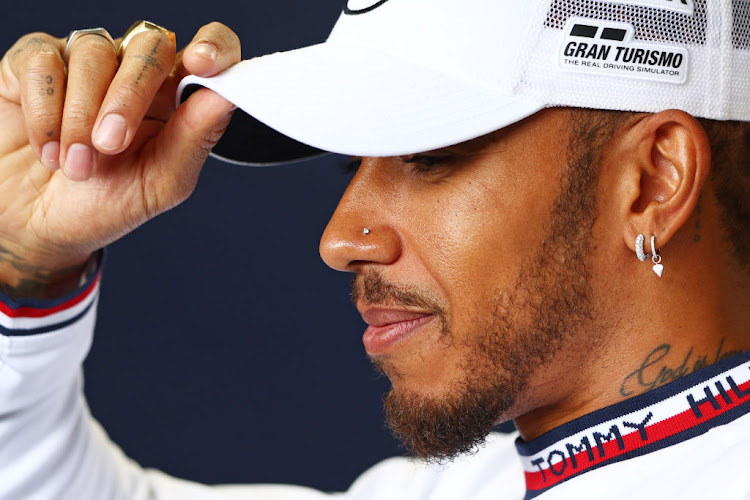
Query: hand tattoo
x=38, y=282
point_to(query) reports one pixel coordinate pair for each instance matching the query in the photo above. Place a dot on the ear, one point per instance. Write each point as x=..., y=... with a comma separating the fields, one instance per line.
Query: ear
x=663, y=161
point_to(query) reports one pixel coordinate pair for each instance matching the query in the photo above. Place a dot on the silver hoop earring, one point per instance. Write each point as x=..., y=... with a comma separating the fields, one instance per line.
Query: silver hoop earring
x=642, y=256
x=656, y=258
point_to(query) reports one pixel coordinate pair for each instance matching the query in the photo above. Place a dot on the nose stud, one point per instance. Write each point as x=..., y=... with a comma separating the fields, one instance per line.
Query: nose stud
x=366, y=230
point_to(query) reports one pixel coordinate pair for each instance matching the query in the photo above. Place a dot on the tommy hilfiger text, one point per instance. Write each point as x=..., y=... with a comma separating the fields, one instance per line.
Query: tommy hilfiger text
x=686, y=407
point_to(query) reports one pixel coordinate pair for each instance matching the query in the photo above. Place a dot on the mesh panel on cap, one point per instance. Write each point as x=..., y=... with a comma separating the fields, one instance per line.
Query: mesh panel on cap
x=741, y=40
x=650, y=24
x=716, y=37
x=741, y=24
x=655, y=24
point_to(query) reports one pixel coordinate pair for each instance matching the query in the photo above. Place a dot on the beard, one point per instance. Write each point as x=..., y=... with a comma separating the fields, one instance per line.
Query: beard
x=517, y=330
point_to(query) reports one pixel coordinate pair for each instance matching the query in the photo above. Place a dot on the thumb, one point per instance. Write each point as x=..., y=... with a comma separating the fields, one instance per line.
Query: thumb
x=181, y=149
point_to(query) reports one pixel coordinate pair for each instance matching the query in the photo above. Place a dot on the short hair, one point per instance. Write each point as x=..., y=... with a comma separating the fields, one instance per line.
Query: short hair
x=730, y=168
x=730, y=177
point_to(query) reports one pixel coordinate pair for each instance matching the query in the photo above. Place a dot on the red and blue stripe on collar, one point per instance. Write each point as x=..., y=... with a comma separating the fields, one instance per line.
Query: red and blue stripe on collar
x=680, y=410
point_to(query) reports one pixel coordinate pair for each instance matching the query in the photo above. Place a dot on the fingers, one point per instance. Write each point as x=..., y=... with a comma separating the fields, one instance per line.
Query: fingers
x=182, y=147
x=100, y=105
x=33, y=75
x=214, y=48
x=91, y=67
x=146, y=63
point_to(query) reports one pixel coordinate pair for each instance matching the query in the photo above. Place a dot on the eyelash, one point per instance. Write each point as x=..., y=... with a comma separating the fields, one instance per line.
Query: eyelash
x=424, y=164
x=421, y=164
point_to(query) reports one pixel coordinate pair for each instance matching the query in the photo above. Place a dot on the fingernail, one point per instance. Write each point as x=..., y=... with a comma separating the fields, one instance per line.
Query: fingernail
x=111, y=132
x=51, y=155
x=207, y=51
x=78, y=163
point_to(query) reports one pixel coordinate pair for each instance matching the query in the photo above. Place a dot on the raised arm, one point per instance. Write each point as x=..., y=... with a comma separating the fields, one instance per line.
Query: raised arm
x=126, y=155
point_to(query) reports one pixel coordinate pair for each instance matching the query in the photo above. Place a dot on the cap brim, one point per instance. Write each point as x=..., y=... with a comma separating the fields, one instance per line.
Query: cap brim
x=352, y=100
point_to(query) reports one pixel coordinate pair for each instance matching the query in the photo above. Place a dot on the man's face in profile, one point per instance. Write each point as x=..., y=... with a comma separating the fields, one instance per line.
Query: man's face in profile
x=472, y=276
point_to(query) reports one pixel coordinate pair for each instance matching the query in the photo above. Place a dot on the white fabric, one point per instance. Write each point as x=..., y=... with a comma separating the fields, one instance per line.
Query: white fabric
x=425, y=109
x=51, y=449
x=415, y=75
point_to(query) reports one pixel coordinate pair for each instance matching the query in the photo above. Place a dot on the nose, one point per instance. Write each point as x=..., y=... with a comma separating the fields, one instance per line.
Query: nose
x=362, y=230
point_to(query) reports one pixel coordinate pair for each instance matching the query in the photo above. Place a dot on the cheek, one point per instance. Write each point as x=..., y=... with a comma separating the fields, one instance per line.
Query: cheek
x=472, y=249
x=475, y=240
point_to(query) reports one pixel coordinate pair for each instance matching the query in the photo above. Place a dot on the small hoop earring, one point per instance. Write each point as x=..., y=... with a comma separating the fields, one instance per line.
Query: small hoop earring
x=658, y=268
x=639, y=240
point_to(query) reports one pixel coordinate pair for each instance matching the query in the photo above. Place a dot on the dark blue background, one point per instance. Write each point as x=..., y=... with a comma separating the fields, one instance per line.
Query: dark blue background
x=225, y=350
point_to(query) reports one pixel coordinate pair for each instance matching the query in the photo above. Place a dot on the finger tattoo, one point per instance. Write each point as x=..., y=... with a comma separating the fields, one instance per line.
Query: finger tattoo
x=46, y=86
x=35, y=40
x=149, y=61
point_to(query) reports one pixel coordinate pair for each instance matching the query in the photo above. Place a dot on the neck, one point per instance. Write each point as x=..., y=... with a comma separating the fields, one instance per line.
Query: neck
x=647, y=333
x=712, y=396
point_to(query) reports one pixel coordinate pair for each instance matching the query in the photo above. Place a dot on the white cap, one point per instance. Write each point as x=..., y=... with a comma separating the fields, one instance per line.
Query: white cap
x=399, y=77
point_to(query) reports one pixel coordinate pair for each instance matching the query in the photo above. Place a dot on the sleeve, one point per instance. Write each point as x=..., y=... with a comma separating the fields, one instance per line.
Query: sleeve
x=50, y=446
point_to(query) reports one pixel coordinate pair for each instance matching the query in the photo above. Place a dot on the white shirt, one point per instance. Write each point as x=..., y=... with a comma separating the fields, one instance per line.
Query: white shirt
x=678, y=441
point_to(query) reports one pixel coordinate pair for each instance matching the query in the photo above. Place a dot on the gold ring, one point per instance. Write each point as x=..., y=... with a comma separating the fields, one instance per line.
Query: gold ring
x=140, y=27
x=76, y=34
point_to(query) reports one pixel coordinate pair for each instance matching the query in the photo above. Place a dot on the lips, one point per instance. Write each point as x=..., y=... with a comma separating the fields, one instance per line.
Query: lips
x=389, y=327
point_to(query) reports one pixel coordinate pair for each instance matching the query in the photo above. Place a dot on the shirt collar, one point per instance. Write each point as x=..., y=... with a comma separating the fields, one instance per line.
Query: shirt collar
x=675, y=412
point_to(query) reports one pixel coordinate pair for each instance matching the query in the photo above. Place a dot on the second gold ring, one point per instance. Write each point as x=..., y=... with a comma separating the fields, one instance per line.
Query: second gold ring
x=140, y=27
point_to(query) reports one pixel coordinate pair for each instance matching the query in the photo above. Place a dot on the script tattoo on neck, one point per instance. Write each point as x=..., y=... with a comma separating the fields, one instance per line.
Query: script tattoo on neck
x=654, y=372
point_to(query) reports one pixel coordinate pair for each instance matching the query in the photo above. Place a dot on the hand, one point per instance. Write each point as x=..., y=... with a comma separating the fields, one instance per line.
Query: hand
x=86, y=161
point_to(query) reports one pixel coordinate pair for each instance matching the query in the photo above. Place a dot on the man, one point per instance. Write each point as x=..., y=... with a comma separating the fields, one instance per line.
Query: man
x=516, y=256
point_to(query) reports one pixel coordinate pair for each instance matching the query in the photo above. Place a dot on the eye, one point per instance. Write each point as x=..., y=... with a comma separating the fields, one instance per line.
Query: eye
x=423, y=164
x=350, y=166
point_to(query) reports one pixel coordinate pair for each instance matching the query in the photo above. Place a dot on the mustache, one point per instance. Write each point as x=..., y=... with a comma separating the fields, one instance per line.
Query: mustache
x=371, y=288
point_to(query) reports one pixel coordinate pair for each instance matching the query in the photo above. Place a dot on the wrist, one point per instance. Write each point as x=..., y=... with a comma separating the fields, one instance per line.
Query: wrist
x=36, y=279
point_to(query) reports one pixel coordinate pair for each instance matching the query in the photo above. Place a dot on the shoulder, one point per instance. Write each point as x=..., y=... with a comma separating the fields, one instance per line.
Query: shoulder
x=709, y=465
x=476, y=475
